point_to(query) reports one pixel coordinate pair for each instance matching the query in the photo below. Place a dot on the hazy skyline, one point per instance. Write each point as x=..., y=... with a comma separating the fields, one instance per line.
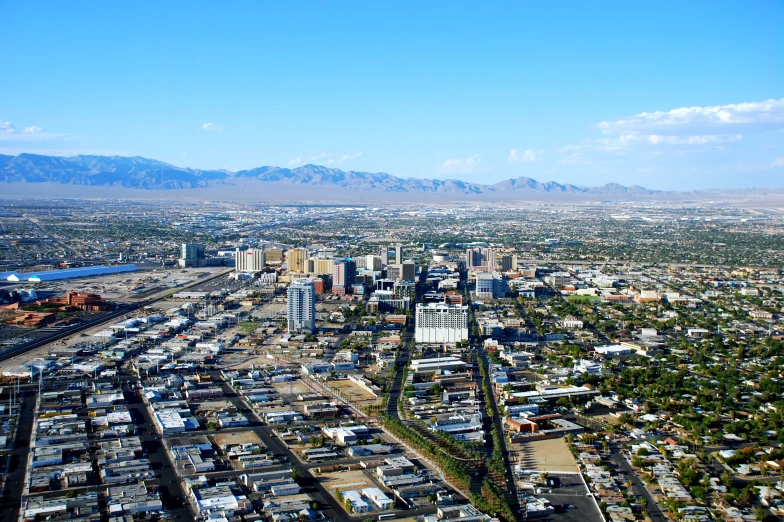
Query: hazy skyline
x=665, y=95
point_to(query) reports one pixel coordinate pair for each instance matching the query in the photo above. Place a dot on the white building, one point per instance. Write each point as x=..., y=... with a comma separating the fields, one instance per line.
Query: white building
x=357, y=504
x=441, y=323
x=437, y=364
x=490, y=285
x=377, y=497
x=301, y=306
x=251, y=260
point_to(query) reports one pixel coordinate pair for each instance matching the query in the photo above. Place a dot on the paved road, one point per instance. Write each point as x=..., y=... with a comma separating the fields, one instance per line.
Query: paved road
x=17, y=465
x=654, y=512
x=173, y=495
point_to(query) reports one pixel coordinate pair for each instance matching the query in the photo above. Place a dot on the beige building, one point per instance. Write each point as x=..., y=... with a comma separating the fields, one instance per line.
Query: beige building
x=297, y=259
x=323, y=266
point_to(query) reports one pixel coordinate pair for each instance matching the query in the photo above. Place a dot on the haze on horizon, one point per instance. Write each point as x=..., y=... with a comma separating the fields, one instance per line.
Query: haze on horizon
x=668, y=95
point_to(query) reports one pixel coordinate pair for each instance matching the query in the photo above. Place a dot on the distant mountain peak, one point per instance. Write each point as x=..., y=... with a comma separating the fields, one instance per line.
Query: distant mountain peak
x=142, y=173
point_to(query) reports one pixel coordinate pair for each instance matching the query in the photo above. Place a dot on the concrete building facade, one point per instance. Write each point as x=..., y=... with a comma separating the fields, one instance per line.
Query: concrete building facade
x=441, y=323
x=301, y=306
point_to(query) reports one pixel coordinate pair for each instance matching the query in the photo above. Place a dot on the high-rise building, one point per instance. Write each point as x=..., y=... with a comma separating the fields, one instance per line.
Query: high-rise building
x=324, y=266
x=440, y=323
x=344, y=273
x=480, y=259
x=405, y=289
x=251, y=260
x=395, y=272
x=191, y=254
x=274, y=256
x=508, y=262
x=384, y=256
x=301, y=306
x=373, y=263
x=398, y=254
x=297, y=260
x=490, y=285
x=409, y=271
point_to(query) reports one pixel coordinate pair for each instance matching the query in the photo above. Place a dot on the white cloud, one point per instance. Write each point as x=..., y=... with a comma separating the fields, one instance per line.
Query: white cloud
x=214, y=127
x=525, y=156
x=778, y=162
x=467, y=165
x=343, y=158
x=324, y=159
x=686, y=120
x=705, y=139
x=10, y=132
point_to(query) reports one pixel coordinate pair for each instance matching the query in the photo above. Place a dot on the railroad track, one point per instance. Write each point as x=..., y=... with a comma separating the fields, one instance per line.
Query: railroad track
x=24, y=348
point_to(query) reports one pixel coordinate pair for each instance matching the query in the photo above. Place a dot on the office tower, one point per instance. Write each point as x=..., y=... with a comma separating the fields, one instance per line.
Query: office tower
x=408, y=271
x=490, y=285
x=480, y=259
x=372, y=263
x=441, y=323
x=301, y=306
x=508, y=262
x=191, y=254
x=251, y=260
x=395, y=272
x=384, y=256
x=344, y=273
x=297, y=260
x=398, y=254
x=273, y=256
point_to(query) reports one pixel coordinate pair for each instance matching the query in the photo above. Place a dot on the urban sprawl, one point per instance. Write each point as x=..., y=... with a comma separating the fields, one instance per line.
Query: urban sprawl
x=236, y=362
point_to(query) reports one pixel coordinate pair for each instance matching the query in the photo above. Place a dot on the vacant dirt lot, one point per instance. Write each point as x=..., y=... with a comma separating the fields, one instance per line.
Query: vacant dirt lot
x=242, y=437
x=543, y=455
x=353, y=393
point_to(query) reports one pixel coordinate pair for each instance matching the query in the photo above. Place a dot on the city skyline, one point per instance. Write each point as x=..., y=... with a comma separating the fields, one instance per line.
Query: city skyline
x=671, y=97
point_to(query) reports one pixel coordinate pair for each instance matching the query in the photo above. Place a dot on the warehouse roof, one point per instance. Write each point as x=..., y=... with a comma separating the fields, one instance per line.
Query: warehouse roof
x=69, y=273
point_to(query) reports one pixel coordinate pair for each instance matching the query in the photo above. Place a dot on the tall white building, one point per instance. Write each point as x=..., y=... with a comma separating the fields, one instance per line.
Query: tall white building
x=441, y=323
x=301, y=306
x=251, y=260
x=373, y=263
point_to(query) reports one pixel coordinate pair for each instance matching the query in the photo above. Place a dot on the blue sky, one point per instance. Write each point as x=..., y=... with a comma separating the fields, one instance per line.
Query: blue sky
x=677, y=95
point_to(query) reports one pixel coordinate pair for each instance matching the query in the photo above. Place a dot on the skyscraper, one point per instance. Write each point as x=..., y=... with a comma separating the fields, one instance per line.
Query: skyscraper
x=384, y=256
x=408, y=270
x=191, y=254
x=344, y=273
x=441, y=323
x=297, y=260
x=398, y=254
x=251, y=260
x=480, y=259
x=301, y=306
x=373, y=263
x=508, y=262
x=273, y=256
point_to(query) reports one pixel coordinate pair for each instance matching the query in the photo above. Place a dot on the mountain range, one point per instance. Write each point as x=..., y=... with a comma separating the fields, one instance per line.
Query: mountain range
x=142, y=173
x=121, y=175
